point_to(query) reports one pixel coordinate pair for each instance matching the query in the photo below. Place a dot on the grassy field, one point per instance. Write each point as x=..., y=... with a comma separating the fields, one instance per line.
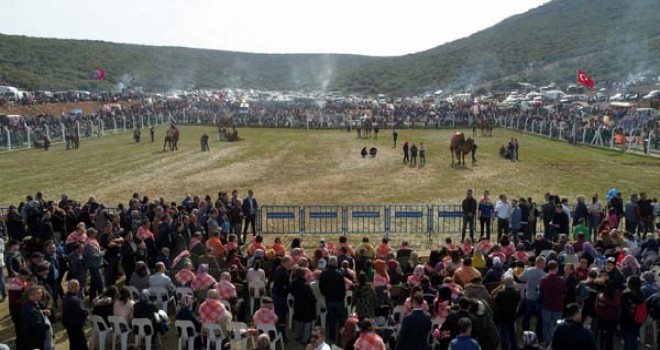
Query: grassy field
x=309, y=167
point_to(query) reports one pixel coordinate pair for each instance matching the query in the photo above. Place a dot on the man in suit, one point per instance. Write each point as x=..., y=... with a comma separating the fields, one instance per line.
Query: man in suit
x=74, y=316
x=249, y=209
x=415, y=327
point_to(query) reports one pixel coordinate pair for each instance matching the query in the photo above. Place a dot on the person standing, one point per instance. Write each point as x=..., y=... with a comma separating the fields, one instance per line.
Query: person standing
x=93, y=260
x=617, y=203
x=74, y=316
x=280, y=291
x=595, y=210
x=46, y=142
x=406, y=157
x=631, y=299
x=422, y=154
x=551, y=293
x=503, y=213
x=570, y=334
x=250, y=207
x=152, y=133
x=331, y=285
x=36, y=328
x=532, y=278
x=111, y=242
x=469, y=208
x=395, y=136
x=415, y=327
x=486, y=210
x=413, y=154
x=506, y=301
x=204, y=141
x=632, y=215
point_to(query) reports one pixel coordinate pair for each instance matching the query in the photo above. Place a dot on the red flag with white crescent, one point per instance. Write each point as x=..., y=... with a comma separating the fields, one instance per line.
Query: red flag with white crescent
x=99, y=73
x=584, y=79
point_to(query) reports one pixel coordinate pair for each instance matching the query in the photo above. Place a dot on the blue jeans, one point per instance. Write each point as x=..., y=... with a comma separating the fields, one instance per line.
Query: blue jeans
x=508, y=336
x=532, y=307
x=334, y=319
x=630, y=338
x=550, y=319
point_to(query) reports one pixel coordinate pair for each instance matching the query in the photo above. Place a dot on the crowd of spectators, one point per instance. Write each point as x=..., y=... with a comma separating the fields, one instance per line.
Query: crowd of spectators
x=580, y=275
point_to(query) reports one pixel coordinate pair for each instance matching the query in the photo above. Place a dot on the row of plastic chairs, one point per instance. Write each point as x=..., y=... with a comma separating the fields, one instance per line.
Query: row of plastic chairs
x=186, y=333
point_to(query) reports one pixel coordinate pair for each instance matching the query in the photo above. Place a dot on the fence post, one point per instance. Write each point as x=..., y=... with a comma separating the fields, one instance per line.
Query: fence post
x=258, y=221
x=63, y=132
x=344, y=221
x=387, y=220
x=114, y=123
x=550, y=130
x=560, y=132
x=301, y=220
x=123, y=118
x=429, y=221
x=8, y=138
x=29, y=136
x=612, y=137
x=141, y=121
x=101, y=127
x=584, y=134
x=518, y=123
x=453, y=121
x=648, y=142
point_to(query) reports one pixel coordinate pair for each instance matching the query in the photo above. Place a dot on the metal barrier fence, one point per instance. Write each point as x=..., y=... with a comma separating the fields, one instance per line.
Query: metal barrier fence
x=360, y=219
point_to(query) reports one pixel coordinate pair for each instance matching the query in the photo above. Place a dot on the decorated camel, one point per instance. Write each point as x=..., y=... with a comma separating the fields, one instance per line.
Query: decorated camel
x=459, y=147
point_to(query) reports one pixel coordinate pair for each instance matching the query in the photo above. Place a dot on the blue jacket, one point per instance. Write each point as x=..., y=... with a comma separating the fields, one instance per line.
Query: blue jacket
x=74, y=313
x=516, y=218
x=464, y=343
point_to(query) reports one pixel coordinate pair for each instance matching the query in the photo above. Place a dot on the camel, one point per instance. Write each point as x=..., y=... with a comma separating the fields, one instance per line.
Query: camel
x=486, y=127
x=171, y=138
x=459, y=146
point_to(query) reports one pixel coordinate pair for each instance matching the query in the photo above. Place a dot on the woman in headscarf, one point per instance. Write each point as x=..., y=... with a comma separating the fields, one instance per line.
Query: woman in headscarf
x=145, y=308
x=203, y=280
x=630, y=266
x=394, y=271
x=589, y=252
x=181, y=259
x=568, y=255
x=364, y=297
x=140, y=278
x=185, y=276
x=147, y=237
x=415, y=279
x=442, y=303
x=185, y=311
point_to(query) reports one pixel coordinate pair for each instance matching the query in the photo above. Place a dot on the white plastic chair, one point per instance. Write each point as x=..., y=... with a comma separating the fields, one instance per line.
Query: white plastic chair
x=270, y=329
x=161, y=297
x=397, y=314
x=135, y=293
x=121, y=330
x=214, y=335
x=143, y=330
x=348, y=301
x=186, y=333
x=289, y=317
x=239, y=332
x=255, y=293
x=335, y=347
x=181, y=291
x=100, y=330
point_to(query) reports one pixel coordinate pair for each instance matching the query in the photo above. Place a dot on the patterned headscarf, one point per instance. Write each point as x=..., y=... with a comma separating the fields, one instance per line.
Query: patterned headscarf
x=588, y=249
x=202, y=268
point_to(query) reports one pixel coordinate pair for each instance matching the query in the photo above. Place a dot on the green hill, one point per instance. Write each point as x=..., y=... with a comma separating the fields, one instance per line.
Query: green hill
x=38, y=63
x=610, y=39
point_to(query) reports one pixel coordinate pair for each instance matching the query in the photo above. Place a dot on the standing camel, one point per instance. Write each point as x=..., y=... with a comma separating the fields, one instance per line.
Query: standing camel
x=486, y=127
x=459, y=147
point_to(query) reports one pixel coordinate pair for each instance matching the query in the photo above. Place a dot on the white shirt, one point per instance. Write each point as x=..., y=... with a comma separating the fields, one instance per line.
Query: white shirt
x=322, y=346
x=503, y=209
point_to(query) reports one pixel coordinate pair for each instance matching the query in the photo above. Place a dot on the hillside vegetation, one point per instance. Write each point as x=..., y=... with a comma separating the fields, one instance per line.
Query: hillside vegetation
x=611, y=39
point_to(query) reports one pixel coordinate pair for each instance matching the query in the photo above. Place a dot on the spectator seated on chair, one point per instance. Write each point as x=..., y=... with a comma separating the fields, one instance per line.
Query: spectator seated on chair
x=266, y=314
x=203, y=280
x=160, y=279
x=212, y=310
x=140, y=278
x=226, y=290
x=124, y=305
x=185, y=276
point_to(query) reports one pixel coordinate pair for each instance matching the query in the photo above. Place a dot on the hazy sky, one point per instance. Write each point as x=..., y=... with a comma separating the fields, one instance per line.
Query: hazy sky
x=285, y=26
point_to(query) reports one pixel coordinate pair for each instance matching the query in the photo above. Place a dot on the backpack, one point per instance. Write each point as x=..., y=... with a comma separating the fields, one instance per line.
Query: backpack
x=640, y=313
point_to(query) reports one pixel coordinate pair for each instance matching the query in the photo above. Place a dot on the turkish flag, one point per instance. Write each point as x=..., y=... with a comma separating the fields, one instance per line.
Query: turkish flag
x=99, y=73
x=584, y=79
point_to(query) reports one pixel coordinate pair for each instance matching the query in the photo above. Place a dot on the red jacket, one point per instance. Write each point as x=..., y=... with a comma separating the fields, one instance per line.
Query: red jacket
x=609, y=307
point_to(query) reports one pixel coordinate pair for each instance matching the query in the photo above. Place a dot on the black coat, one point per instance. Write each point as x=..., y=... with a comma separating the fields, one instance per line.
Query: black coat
x=414, y=331
x=15, y=226
x=74, y=313
x=304, y=307
x=505, y=305
x=572, y=335
x=33, y=326
x=331, y=284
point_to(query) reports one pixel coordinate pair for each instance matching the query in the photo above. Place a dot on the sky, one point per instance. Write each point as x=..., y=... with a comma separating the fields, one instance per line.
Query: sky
x=379, y=28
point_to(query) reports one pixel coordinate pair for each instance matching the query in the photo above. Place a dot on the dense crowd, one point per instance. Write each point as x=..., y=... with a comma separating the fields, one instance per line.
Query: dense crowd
x=581, y=275
x=573, y=121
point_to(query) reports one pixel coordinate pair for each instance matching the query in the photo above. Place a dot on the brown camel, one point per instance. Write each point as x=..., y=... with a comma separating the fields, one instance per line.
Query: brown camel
x=459, y=146
x=486, y=127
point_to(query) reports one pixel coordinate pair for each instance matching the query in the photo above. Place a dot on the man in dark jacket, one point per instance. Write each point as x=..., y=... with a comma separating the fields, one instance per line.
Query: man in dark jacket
x=280, y=291
x=35, y=326
x=74, y=315
x=331, y=284
x=570, y=334
x=506, y=303
x=15, y=224
x=415, y=327
x=469, y=208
